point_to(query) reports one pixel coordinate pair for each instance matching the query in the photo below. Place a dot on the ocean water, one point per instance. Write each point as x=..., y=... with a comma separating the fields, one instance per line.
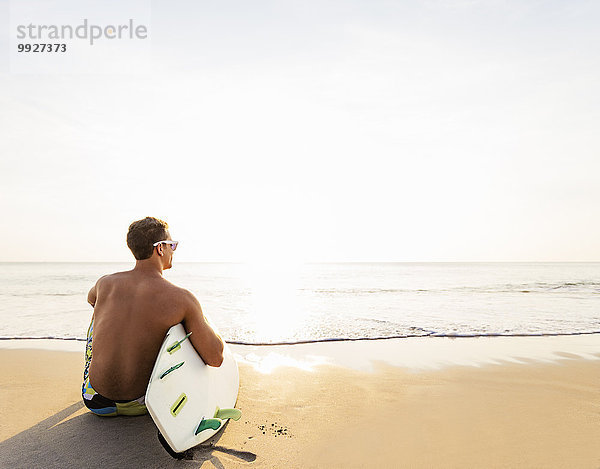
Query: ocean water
x=318, y=302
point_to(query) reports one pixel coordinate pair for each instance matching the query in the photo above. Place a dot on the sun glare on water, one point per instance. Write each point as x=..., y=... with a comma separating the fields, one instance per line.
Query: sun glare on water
x=277, y=309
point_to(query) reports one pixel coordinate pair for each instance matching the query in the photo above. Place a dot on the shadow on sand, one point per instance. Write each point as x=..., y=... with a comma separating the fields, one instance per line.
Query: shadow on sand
x=87, y=440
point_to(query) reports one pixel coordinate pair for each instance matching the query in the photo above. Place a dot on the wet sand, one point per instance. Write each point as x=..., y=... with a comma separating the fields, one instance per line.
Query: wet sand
x=312, y=412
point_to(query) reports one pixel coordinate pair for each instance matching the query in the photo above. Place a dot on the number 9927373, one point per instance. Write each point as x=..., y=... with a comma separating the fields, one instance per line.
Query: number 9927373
x=41, y=47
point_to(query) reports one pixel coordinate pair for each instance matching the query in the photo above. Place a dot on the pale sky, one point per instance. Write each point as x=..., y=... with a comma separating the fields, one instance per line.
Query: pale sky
x=317, y=131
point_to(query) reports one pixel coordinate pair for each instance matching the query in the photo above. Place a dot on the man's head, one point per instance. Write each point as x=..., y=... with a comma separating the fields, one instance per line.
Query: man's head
x=143, y=236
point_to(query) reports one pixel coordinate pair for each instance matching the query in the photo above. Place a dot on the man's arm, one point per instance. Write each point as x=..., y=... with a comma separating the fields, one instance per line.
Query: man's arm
x=93, y=293
x=204, y=339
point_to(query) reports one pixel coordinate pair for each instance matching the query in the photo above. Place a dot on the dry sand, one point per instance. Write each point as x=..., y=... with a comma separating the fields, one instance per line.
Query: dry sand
x=506, y=415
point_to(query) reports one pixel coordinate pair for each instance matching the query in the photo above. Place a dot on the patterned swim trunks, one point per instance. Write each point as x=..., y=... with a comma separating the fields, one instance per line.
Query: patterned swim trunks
x=99, y=404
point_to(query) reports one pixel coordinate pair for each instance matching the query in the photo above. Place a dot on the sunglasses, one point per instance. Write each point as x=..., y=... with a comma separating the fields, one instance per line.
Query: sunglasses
x=173, y=244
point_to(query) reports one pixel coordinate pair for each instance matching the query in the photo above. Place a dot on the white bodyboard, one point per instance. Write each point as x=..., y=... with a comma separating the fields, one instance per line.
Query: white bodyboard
x=183, y=391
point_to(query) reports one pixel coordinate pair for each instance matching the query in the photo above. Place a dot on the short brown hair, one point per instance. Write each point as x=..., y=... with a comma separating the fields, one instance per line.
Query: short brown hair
x=143, y=234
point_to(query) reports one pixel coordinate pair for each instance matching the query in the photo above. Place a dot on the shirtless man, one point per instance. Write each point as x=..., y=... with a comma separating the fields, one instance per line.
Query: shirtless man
x=133, y=311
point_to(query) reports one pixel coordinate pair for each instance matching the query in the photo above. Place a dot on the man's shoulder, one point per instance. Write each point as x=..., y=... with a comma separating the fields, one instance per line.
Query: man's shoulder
x=184, y=294
x=129, y=280
x=115, y=277
x=178, y=292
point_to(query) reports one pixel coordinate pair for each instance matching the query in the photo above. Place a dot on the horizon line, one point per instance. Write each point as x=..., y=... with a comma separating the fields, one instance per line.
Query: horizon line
x=323, y=262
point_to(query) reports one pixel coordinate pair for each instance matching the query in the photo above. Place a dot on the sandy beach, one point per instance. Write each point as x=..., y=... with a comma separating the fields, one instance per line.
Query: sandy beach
x=505, y=414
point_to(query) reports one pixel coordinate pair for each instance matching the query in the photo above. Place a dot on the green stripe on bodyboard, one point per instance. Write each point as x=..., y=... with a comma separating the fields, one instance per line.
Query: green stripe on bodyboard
x=173, y=368
x=177, y=345
x=178, y=404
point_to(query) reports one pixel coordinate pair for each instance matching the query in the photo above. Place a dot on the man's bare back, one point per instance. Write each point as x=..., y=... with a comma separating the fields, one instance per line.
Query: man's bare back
x=133, y=311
